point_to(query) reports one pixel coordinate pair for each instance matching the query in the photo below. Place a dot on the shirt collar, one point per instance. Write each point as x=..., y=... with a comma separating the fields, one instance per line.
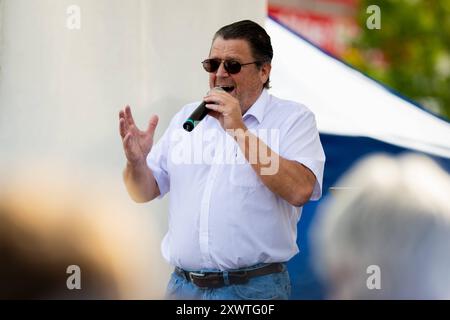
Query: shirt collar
x=258, y=108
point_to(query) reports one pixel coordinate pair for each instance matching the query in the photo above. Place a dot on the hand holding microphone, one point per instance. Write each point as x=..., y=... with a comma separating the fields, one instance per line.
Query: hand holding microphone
x=198, y=114
x=220, y=105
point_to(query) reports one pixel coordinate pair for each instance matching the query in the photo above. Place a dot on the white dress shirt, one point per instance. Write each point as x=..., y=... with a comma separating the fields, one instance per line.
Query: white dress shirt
x=221, y=215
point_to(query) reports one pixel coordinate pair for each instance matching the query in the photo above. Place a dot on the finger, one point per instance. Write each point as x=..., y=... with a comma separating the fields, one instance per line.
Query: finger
x=218, y=100
x=215, y=107
x=128, y=144
x=122, y=127
x=152, y=123
x=214, y=114
x=218, y=93
x=129, y=116
x=213, y=99
x=122, y=116
x=126, y=140
x=132, y=128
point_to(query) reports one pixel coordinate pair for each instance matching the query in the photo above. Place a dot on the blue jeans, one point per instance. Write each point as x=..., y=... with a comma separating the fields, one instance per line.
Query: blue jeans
x=274, y=286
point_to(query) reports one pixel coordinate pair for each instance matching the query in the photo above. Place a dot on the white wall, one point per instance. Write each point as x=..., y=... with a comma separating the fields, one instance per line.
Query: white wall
x=61, y=89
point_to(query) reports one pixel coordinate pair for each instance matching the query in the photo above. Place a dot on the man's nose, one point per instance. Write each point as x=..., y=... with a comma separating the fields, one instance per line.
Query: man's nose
x=221, y=72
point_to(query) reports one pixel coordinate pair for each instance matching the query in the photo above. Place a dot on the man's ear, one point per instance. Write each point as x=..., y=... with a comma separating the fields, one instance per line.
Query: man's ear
x=264, y=72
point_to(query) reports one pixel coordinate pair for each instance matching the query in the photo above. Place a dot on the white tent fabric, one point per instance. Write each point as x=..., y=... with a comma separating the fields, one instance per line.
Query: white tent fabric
x=346, y=102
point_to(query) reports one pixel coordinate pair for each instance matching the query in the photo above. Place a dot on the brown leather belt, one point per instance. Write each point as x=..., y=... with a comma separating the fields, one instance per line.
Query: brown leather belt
x=217, y=279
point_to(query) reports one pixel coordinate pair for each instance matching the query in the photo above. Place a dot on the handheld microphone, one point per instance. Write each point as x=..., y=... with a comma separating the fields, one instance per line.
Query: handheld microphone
x=197, y=115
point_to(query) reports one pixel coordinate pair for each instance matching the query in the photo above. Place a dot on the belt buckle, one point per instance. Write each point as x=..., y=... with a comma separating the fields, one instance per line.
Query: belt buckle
x=195, y=274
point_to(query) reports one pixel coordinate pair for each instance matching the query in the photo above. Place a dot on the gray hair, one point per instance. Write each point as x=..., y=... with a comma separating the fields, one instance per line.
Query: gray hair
x=396, y=216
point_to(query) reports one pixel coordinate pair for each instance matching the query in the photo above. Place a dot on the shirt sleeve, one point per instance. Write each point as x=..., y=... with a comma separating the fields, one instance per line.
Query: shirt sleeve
x=158, y=156
x=301, y=142
x=157, y=162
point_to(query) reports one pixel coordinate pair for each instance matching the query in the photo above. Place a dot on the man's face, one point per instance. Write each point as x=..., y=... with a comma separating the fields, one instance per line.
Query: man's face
x=248, y=83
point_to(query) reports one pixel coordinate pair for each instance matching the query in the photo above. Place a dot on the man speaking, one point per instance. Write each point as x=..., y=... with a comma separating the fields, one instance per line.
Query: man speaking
x=238, y=177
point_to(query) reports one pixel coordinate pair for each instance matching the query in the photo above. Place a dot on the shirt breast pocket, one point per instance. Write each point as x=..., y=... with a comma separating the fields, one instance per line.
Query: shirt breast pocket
x=243, y=175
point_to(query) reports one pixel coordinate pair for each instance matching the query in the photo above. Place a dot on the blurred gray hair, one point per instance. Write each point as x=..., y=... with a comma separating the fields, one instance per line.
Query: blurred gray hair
x=396, y=216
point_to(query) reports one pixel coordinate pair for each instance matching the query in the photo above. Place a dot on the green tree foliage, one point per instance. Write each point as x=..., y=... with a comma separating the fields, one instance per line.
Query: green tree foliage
x=411, y=50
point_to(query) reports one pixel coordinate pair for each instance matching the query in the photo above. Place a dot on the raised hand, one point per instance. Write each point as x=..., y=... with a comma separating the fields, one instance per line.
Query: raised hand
x=136, y=143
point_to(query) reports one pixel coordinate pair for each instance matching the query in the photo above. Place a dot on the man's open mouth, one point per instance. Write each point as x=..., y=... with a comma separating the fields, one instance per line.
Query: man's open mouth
x=227, y=88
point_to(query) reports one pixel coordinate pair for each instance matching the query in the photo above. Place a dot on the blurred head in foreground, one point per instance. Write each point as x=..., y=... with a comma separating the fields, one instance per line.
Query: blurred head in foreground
x=48, y=228
x=388, y=237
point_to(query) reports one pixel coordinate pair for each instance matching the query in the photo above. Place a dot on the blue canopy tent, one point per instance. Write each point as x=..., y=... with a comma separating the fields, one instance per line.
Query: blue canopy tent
x=355, y=115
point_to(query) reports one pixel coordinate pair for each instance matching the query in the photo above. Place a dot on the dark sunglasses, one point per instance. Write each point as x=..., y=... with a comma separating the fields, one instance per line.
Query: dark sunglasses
x=231, y=66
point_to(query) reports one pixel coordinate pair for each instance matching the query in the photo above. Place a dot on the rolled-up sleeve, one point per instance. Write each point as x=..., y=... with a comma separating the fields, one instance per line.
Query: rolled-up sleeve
x=300, y=142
